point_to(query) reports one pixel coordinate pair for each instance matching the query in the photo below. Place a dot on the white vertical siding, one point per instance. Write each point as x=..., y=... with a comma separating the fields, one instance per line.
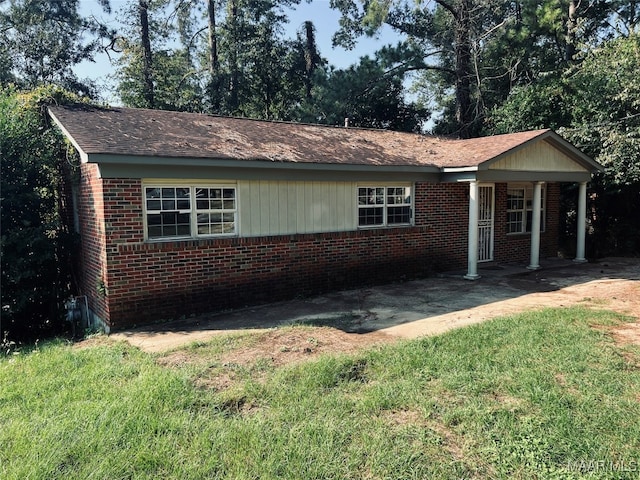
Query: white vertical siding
x=540, y=157
x=273, y=207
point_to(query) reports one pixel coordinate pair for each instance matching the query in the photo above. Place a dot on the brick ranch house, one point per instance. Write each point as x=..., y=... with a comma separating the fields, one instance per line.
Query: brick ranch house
x=183, y=213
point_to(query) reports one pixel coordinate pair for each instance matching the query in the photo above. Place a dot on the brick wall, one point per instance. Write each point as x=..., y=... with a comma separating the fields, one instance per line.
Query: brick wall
x=156, y=281
x=517, y=247
x=92, y=277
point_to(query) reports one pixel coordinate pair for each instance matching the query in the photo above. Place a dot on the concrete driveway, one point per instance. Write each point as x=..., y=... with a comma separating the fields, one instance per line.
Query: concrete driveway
x=421, y=307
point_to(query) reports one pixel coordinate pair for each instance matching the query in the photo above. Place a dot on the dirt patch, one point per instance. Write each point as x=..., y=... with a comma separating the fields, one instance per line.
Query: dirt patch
x=93, y=341
x=264, y=351
x=627, y=334
x=291, y=345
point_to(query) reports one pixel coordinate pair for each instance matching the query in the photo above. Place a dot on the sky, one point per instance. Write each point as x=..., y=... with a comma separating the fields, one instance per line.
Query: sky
x=318, y=11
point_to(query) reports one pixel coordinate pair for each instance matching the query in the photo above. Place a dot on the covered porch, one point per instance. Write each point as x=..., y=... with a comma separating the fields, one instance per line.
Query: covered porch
x=527, y=170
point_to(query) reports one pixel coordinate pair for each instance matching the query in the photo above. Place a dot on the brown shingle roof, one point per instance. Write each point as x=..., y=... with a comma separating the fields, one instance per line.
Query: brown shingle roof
x=128, y=131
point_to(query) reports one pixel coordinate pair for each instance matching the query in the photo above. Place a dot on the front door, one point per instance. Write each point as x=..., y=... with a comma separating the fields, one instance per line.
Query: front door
x=485, y=223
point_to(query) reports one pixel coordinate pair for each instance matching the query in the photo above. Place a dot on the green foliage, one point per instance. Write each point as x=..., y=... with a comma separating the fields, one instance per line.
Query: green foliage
x=596, y=106
x=367, y=94
x=606, y=108
x=510, y=44
x=539, y=395
x=43, y=40
x=176, y=86
x=35, y=241
x=260, y=74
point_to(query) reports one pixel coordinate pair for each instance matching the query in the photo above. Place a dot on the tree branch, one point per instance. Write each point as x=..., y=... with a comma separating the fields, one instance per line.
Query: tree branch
x=448, y=7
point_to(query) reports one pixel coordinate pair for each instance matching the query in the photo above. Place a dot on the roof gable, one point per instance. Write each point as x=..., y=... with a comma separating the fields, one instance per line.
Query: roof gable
x=538, y=156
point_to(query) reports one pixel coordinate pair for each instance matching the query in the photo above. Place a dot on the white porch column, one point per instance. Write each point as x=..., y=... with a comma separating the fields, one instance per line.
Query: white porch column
x=472, y=264
x=582, y=223
x=535, y=226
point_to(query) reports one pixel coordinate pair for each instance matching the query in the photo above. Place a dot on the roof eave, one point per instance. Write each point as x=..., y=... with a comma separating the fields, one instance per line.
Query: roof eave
x=84, y=157
x=139, y=160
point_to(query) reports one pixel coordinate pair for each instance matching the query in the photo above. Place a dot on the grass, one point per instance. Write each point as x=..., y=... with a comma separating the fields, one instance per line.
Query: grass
x=538, y=395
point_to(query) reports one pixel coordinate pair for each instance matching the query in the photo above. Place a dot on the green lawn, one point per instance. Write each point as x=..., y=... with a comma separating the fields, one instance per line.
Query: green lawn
x=539, y=395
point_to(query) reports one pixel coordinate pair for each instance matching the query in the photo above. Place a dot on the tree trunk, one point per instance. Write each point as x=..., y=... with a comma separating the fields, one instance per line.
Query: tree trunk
x=147, y=64
x=464, y=110
x=572, y=27
x=460, y=10
x=213, y=39
x=233, y=56
x=215, y=95
x=310, y=56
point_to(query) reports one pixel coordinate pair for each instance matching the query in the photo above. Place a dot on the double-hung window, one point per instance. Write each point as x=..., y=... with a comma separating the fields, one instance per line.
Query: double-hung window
x=520, y=208
x=380, y=206
x=189, y=211
x=216, y=210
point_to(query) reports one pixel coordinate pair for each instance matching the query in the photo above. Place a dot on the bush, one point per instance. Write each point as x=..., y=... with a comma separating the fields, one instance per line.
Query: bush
x=35, y=240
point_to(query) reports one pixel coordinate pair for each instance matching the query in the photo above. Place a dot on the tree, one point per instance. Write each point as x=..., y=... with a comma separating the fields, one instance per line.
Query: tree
x=367, y=94
x=308, y=51
x=150, y=72
x=475, y=52
x=43, y=40
x=35, y=240
x=147, y=60
x=595, y=105
x=241, y=67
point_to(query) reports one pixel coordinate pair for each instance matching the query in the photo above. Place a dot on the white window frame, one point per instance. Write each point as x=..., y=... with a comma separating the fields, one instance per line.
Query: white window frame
x=385, y=205
x=527, y=207
x=192, y=211
x=223, y=211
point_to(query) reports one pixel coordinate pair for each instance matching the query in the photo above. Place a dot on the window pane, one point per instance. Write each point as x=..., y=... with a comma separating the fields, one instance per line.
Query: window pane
x=154, y=204
x=229, y=193
x=370, y=196
x=155, y=232
x=514, y=222
x=202, y=193
x=154, y=219
x=515, y=199
x=398, y=195
x=203, y=229
x=168, y=204
x=153, y=193
x=228, y=217
x=216, y=229
x=168, y=218
x=396, y=215
x=169, y=230
x=370, y=216
x=216, y=204
x=229, y=204
x=182, y=192
x=184, y=230
x=216, y=217
x=168, y=193
x=202, y=204
x=203, y=218
x=184, y=204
